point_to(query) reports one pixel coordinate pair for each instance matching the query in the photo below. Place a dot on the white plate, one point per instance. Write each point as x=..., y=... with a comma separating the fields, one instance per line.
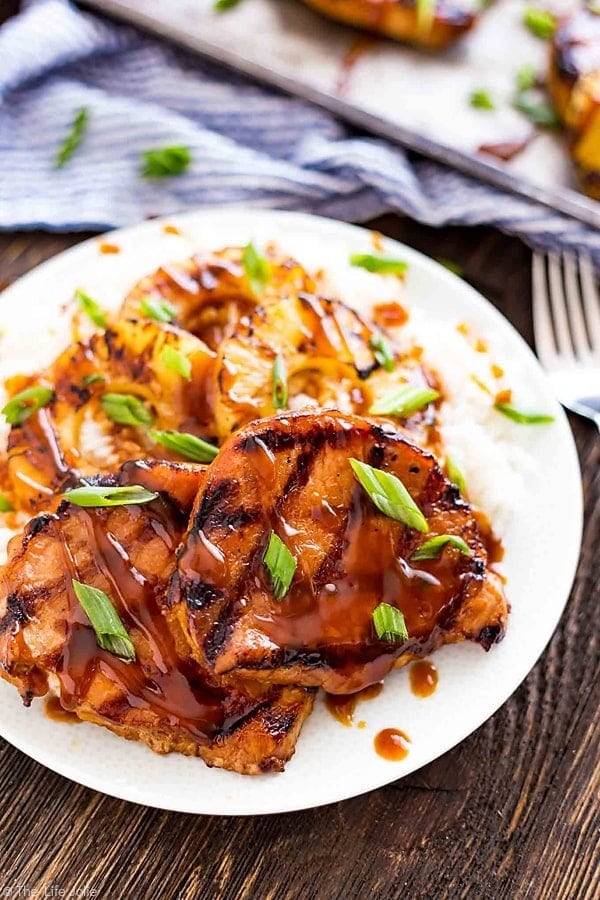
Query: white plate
x=331, y=762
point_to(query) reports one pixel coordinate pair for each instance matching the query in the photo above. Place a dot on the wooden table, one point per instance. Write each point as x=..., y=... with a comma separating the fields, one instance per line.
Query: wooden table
x=512, y=812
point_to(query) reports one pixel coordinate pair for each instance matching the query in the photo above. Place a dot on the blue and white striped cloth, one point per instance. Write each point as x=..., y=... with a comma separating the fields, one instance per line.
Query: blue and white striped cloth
x=249, y=144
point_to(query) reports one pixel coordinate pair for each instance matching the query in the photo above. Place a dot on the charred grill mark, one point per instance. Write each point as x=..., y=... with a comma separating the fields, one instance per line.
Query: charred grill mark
x=38, y=525
x=20, y=608
x=300, y=474
x=490, y=635
x=210, y=512
x=219, y=634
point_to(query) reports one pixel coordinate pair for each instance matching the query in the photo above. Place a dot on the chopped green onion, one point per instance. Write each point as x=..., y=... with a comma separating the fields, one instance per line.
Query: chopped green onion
x=526, y=78
x=456, y=474
x=93, y=379
x=403, y=402
x=159, y=310
x=280, y=565
x=164, y=162
x=537, y=110
x=540, y=22
x=481, y=99
x=389, y=624
x=256, y=267
x=522, y=418
x=177, y=361
x=95, y=495
x=389, y=495
x=91, y=308
x=125, y=409
x=26, y=403
x=425, y=15
x=73, y=139
x=280, y=388
x=104, y=619
x=432, y=548
x=5, y=504
x=383, y=265
x=223, y=5
x=383, y=352
x=453, y=267
x=187, y=445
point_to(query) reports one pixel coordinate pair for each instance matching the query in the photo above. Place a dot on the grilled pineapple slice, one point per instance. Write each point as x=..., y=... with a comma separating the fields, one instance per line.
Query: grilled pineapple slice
x=74, y=433
x=574, y=84
x=409, y=21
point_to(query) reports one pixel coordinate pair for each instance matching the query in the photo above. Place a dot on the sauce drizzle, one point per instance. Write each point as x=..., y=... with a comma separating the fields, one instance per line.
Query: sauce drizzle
x=392, y=744
x=423, y=677
x=343, y=706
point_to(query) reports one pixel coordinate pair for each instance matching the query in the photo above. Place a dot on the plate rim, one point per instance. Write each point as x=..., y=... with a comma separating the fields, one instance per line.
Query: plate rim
x=440, y=273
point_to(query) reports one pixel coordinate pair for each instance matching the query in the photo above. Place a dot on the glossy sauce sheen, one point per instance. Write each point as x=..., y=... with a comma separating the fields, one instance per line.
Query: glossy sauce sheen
x=423, y=677
x=343, y=706
x=392, y=744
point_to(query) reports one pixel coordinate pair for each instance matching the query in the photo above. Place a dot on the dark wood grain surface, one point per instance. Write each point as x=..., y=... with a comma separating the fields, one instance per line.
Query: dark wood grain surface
x=513, y=812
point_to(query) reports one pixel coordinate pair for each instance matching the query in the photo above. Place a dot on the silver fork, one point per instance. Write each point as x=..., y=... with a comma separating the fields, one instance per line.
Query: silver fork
x=566, y=326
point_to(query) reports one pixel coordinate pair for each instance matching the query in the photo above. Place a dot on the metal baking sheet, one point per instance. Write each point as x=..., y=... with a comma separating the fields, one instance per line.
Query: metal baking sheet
x=417, y=99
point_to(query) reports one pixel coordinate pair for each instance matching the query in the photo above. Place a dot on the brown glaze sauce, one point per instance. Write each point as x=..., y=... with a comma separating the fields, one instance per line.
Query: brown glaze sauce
x=343, y=706
x=56, y=711
x=392, y=744
x=423, y=677
x=358, y=48
x=507, y=150
x=390, y=315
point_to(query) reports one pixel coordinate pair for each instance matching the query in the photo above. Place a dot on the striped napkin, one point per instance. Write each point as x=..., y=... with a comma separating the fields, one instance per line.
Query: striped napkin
x=249, y=144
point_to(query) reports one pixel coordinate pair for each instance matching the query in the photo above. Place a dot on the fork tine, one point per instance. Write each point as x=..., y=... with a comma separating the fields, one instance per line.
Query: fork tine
x=542, y=324
x=575, y=309
x=590, y=300
x=559, y=309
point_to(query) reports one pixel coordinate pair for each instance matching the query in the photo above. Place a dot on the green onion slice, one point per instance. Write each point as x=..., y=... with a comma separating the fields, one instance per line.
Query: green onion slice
x=159, y=310
x=540, y=22
x=224, y=5
x=383, y=265
x=91, y=308
x=104, y=619
x=164, y=162
x=256, y=267
x=382, y=351
x=93, y=379
x=5, y=504
x=73, y=139
x=24, y=404
x=95, y=495
x=523, y=418
x=389, y=624
x=403, y=402
x=177, y=361
x=425, y=15
x=187, y=445
x=433, y=547
x=389, y=495
x=125, y=409
x=526, y=78
x=280, y=565
x=481, y=99
x=456, y=474
x=537, y=110
x=280, y=387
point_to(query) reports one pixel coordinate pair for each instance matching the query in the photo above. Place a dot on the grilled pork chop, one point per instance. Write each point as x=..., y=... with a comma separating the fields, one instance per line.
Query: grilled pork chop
x=291, y=475
x=163, y=698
